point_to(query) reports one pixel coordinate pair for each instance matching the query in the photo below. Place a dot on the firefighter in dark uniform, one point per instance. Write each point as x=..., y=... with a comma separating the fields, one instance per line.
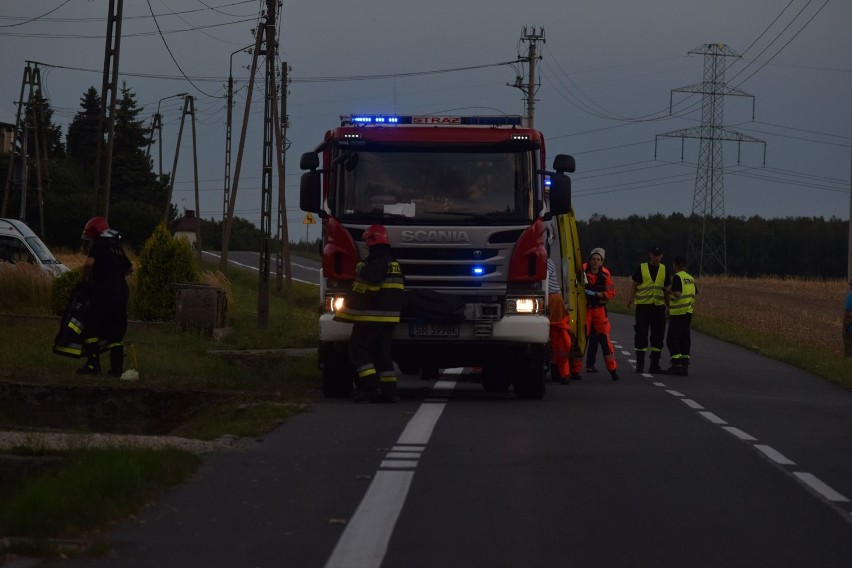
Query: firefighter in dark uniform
x=104, y=272
x=373, y=307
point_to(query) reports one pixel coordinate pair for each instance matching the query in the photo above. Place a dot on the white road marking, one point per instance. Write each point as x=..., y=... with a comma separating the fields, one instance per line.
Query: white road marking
x=627, y=353
x=659, y=384
x=398, y=464
x=820, y=487
x=740, y=434
x=364, y=542
x=419, y=428
x=712, y=417
x=774, y=455
x=692, y=404
x=365, y=539
x=402, y=455
x=256, y=269
x=674, y=393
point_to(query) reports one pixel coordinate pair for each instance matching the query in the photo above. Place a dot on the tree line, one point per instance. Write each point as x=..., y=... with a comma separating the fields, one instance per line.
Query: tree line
x=138, y=195
x=791, y=246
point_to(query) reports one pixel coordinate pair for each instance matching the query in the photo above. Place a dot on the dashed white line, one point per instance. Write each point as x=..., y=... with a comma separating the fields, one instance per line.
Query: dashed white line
x=659, y=384
x=740, y=434
x=402, y=455
x=692, y=404
x=817, y=485
x=712, y=417
x=774, y=454
x=626, y=353
x=398, y=464
x=674, y=393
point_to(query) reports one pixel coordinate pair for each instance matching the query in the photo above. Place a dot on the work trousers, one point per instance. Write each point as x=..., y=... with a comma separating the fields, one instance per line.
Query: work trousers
x=679, y=340
x=598, y=331
x=370, y=354
x=650, y=318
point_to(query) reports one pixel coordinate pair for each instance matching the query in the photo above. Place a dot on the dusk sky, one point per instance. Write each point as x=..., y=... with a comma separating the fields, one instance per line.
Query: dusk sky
x=607, y=73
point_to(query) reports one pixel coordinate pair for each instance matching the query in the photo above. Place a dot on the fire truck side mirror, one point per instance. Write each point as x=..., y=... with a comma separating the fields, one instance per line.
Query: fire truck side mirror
x=562, y=163
x=310, y=192
x=560, y=194
x=310, y=161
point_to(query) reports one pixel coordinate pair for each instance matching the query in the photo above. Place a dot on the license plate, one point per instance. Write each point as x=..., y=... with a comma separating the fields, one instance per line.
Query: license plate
x=433, y=330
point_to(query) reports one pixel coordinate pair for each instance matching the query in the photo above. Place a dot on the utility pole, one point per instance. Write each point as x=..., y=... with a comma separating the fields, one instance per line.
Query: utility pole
x=232, y=198
x=531, y=36
x=106, y=118
x=849, y=255
x=282, y=263
x=271, y=133
x=157, y=125
x=707, y=243
x=26, y=120
x=228, y=127
x=188, y=109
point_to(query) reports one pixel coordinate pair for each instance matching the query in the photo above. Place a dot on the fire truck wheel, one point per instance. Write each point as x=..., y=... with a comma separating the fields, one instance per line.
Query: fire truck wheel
x=430, y=373
x=495, y=378
x=337, y=372
x=528, y=380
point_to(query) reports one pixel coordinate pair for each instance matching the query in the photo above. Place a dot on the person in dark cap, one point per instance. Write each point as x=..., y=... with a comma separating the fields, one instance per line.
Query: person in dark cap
x=681, y=307
x=649, y=289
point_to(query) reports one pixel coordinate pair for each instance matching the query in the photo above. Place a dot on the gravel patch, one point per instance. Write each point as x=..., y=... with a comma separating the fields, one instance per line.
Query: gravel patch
x=75, y=441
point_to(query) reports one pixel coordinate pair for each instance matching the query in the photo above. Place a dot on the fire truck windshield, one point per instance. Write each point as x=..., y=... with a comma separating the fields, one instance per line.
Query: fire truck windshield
x=434, y=187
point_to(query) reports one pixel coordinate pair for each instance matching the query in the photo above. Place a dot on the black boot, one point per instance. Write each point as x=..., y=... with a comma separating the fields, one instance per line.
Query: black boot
x=640, y=361
x=388, y=390
x=93, y=361
x=368, y=389
x=116, y=359
x=655, y=363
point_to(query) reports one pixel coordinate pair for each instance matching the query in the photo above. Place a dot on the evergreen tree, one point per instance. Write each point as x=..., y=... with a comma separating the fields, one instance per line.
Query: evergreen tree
x=132, y=169
x=82, y=139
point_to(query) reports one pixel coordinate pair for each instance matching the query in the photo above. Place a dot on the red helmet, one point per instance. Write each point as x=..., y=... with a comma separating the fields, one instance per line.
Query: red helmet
x=376, y=235
x=94, y=228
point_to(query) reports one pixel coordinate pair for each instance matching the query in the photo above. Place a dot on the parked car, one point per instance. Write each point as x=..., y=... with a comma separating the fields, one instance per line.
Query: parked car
x=18, y=243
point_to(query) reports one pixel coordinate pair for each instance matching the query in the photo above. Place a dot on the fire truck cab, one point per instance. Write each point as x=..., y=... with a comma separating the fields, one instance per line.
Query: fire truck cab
x=467, y=202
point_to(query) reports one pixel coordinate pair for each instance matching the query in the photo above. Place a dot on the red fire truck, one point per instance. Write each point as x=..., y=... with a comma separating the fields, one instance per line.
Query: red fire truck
x=467, y=202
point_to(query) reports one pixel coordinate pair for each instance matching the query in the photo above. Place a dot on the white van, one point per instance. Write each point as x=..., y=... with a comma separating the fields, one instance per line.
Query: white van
x=18, y=243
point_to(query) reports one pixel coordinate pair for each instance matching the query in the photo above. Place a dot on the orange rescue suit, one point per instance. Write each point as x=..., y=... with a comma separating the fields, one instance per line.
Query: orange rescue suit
x=596, y=316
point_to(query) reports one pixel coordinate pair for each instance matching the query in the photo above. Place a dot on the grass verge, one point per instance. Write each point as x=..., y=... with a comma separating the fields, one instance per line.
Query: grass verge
x=91, y=489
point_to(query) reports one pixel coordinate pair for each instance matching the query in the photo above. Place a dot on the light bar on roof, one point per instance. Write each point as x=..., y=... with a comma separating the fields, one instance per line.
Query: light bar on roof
x=429, y=120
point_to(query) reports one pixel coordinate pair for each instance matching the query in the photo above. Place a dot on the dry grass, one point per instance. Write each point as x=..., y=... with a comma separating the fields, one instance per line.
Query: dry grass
x=808, y=312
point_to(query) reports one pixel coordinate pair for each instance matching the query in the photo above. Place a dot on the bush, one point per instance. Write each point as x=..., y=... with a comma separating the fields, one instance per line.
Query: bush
x=62, y=288
x=164, y=261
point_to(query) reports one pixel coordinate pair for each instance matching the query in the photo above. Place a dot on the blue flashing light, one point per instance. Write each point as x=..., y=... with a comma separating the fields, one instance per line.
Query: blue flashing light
x=478, y=271
x=432, y=120
x=374, y=119
x=547, y=181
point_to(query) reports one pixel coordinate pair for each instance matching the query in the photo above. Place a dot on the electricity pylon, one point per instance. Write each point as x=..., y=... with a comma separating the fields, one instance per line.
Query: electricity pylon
x=707, y=243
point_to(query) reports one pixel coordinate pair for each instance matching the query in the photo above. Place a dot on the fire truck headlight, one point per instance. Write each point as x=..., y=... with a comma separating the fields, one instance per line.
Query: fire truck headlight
x=333, y=303
x=524, y=305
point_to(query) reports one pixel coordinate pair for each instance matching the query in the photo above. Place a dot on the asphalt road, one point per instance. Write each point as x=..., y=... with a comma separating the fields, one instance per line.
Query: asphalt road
x=303, y=269
x=746, y=462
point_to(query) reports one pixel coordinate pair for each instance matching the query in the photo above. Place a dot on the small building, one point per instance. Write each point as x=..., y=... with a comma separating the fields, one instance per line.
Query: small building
x=187, y=226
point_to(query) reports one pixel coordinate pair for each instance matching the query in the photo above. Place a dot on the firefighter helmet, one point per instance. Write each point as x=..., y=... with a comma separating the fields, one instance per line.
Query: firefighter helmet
x=94, y=227
x=376, y=235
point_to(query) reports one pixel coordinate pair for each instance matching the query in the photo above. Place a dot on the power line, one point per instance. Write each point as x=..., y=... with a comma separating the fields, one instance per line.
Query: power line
x=35, y=18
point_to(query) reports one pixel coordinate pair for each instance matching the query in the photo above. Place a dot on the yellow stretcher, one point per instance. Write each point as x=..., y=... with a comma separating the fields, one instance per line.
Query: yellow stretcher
x=574, y=293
